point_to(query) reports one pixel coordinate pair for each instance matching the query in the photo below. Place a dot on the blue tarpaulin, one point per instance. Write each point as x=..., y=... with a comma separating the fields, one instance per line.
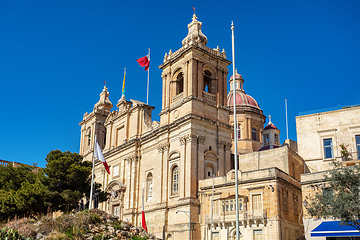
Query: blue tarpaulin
x=334, y=229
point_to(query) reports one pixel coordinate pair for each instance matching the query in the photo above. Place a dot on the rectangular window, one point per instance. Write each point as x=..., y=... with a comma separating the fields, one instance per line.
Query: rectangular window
x=357, y=139
x=254, y=134
x=116, y=170
x=328, y=148
x=256, y=202
x=232, y=160
x=215, y=236
x=258, y=235
x=230, y=205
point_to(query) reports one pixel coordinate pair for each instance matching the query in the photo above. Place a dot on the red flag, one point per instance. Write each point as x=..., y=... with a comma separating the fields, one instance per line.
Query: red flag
x=144, y=62
x=143, y=224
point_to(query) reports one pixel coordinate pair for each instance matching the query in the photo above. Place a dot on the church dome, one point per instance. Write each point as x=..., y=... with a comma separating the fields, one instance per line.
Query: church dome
x=270, y=126
x=237, y=76
x=242, y=99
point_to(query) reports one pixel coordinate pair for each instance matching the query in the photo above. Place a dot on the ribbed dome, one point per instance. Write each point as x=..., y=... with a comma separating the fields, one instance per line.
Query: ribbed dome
x=236, y=76
x=242, y=99
x=270, y=126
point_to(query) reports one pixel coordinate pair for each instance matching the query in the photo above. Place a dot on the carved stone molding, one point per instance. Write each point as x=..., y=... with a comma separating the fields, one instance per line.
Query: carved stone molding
x=201, y=139
x=182, y=140
x=191, y=138
x=132, y=158
x=228, y=146
x=163, y=147
x=221, y=144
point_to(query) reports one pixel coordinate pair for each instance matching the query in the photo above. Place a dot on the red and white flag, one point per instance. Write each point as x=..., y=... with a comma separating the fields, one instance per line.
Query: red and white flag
x=100, y=156
x=144, y=61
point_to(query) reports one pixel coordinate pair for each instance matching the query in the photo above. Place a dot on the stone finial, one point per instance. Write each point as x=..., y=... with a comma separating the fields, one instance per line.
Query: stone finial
x=104, y=102
x=195, y=35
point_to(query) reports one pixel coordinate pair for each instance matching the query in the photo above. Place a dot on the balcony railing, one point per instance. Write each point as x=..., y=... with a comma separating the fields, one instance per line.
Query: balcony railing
x=177, y=97
x=243, y=216
x=209, y=96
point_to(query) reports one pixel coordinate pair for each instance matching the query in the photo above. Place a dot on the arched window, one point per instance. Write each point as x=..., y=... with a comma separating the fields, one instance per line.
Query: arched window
x=149, y=186
x=239, y=131
x=104, y=137
x=209, y=171
x=175, y=181
x=254, y=134
x=179, y=83
x=266, y=138
x=207, y=82
x=89, y=136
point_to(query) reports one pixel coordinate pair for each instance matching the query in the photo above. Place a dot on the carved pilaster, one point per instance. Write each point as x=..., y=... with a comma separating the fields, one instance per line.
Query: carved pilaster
x=192, y=137
x=163, y=147
x=228, y=146
x=132, y=158
x=182, y=140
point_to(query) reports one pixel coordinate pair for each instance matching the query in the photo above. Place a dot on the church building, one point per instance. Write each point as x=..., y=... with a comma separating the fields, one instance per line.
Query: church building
x=172, y=163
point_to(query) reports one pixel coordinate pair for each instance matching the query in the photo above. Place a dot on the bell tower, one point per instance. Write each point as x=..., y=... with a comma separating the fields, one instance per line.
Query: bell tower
x=93, y=123
x=194, y=77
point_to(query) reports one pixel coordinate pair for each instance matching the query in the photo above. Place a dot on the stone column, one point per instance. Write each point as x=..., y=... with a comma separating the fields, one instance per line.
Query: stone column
x=222, y=159
x=220, y=91
x=200, y=76
x=227, y=156
x=191, y=174
x=164, y=91
x=201, y=159
x=185, y=76
x=167, y=77
x=182, y=168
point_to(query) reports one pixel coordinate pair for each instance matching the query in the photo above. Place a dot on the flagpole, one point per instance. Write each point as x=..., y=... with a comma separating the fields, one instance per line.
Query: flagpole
x=92, y=176
x=147, y=95
x=235, y=134
x=123, y=88
x=287, y=126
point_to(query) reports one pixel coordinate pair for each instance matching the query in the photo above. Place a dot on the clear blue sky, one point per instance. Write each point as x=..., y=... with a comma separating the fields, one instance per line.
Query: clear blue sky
x=54, y=56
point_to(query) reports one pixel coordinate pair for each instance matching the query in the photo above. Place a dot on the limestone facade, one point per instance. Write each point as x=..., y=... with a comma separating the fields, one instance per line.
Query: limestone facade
x=269, y=198
x=164, y=161
x=320, y=137
x=172, y=164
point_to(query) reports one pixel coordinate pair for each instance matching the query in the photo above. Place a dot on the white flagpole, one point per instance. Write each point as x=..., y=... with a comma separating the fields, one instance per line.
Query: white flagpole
x=235, y=134
x=287, y=125
x=92, y=176
x=147, y=95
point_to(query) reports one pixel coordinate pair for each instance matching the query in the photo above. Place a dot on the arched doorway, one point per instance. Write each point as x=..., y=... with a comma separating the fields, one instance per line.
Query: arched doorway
x=116, y=189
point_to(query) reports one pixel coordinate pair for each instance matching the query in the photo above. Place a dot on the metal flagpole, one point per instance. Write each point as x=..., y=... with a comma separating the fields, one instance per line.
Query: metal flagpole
x=235, y=134
x=147, y=97
x=287, y=126
x=212, y=207
x=92, y=176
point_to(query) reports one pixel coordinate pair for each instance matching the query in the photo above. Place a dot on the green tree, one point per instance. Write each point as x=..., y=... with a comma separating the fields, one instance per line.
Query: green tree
x=21, y=191
x=68, y=179
x=340, y=196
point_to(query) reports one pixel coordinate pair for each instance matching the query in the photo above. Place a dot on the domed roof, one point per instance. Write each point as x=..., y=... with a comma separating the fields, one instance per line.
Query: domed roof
x=242, y=99
x=236, y=76
x=270, y=126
